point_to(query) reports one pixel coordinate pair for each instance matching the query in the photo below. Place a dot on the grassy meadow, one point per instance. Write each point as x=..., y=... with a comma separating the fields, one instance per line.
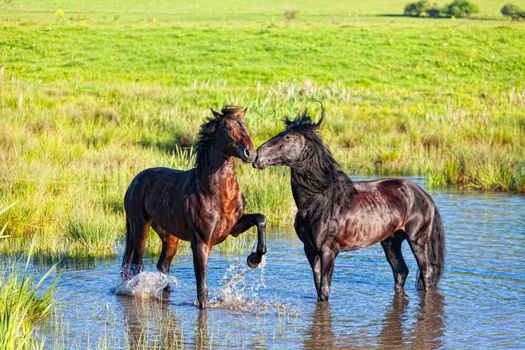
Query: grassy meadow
x=91, y=97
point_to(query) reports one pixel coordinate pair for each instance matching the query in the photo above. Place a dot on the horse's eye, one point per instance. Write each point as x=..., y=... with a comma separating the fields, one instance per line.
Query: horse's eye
x=287, y=137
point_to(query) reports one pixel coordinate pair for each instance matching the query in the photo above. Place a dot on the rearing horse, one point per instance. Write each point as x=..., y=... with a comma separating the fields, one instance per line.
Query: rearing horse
x=336, y=214
x=202, y=205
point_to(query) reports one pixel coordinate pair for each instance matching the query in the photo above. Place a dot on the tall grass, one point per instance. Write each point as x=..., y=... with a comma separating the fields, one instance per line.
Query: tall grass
x=23, y=304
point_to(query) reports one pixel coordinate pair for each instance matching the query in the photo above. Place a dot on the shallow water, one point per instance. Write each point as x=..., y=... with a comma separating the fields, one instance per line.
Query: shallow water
x=480, y=303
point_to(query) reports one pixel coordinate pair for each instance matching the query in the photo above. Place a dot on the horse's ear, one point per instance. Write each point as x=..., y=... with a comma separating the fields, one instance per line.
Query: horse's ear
x=215, y=113
x=305, y=113
x=242, y=112
x=287, y=121
x=322, y=114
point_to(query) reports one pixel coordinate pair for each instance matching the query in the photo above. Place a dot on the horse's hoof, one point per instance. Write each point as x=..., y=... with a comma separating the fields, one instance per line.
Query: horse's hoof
x=253, y=260
x=126, y=274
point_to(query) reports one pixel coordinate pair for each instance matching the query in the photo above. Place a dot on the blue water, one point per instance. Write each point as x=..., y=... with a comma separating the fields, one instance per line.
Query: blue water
x=480, y=303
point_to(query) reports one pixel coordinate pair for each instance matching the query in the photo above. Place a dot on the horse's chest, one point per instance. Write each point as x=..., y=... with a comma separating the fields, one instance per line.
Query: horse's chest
x=229, y=213
x=315, y=231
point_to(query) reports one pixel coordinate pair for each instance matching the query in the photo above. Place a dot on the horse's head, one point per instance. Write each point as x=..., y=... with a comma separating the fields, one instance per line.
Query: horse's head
x=291, y=145
x=230, y=134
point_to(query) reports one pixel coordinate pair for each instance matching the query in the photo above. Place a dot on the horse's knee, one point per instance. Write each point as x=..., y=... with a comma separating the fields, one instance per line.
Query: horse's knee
x=260, y=219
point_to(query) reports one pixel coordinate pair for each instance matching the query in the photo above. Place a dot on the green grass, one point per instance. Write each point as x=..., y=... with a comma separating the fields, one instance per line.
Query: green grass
x=228, y=10
x=22, y=305
x=88, y=101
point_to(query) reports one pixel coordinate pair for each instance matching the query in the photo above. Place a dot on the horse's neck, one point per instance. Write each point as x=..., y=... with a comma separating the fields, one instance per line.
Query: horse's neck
x=309, y=191
x=218, y=176
x=306, y=189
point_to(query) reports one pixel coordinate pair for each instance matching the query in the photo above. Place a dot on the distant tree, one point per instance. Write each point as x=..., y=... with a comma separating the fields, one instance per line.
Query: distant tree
x=460, y=8
x=513, y=11
x=416, y=9
x=433, y=11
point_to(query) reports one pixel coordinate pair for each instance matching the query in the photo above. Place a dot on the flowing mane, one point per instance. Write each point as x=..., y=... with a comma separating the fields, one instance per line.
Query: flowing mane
x=319, y=175
x=322, y=167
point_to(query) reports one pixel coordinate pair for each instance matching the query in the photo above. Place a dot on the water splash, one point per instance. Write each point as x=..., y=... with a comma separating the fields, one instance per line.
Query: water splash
x=240, y=292
x=144, y=285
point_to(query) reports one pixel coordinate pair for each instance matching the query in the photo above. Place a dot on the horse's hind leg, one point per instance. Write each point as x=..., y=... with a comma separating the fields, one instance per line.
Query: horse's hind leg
x=138, y=231
x=424, y=280
x=170, y=244
x=392, y=248
x=127, y=252
x=419, y=248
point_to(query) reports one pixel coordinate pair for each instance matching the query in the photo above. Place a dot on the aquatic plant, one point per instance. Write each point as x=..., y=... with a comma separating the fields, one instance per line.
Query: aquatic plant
x=23, y=303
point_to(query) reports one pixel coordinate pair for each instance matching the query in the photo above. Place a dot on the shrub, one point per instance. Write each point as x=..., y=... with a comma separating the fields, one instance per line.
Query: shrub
x=290, y=14
x=433, y=11
x=512, y=11
x=416, y=9
x=461, y=8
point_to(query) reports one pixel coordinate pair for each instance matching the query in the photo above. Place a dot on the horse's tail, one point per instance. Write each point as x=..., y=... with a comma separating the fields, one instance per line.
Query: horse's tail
x=129, y=248
x=435, y=250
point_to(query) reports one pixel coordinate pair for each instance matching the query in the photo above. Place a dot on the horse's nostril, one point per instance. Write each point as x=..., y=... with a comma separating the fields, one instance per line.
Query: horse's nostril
x=246, y=153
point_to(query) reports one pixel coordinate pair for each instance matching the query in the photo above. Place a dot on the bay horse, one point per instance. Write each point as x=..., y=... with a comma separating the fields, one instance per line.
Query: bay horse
x=337, y=214
x=203, y=205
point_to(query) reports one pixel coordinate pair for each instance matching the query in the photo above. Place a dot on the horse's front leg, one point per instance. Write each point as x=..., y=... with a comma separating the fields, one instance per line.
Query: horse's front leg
x=327, y=268
x=245, y=222
x=315, y=263
x=200, y=263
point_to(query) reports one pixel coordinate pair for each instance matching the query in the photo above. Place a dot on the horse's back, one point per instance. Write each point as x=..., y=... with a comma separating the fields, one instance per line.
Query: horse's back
x=157, y=194
x=378, y=209
x=151, y=178
x=395, y=189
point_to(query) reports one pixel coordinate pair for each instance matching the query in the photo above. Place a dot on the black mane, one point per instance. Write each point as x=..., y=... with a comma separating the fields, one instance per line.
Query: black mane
x=208, y=130
x=318, y=174
x=325, y=166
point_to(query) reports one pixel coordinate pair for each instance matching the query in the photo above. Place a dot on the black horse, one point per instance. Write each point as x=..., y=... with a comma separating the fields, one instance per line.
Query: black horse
x=336, y=214
x=203, y=205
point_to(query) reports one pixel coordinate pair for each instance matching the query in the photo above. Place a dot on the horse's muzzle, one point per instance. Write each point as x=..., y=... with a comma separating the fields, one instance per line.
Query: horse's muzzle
x=256, y=163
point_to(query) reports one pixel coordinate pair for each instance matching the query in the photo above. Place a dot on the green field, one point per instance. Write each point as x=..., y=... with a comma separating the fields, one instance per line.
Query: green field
x=90, y=99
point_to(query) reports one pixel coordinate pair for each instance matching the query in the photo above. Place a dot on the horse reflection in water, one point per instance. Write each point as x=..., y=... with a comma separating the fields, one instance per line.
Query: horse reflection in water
x=426, y=332
x=152, y=324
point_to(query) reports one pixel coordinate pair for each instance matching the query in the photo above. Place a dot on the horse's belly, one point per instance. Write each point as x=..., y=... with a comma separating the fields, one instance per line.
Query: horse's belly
x=357, y=234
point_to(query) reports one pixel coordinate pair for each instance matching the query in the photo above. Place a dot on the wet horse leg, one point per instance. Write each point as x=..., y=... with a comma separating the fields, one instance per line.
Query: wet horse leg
x=135, y=244
x=124, y=272
x=170, y=244
x=424, y=281
x=327, y=268
x=200, y=262
x=245, y=222
x=392, y=248
x=315, y=263
x=417, y=242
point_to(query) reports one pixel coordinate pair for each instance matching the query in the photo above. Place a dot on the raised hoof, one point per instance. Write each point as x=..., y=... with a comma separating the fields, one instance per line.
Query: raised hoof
x=254, y=260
